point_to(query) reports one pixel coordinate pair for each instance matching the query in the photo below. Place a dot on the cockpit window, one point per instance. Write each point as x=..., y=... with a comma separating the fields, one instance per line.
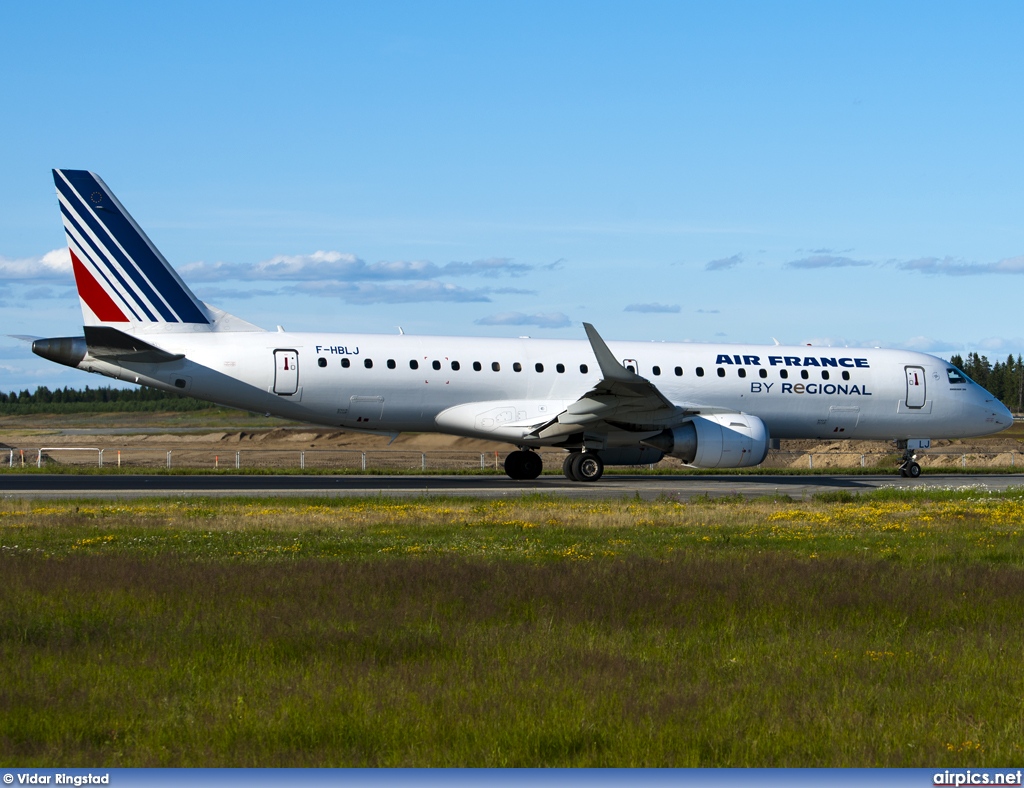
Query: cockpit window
x=955, y=375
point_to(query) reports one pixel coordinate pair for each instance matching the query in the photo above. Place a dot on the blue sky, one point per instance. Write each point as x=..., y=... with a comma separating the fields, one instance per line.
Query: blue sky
x=846, y=174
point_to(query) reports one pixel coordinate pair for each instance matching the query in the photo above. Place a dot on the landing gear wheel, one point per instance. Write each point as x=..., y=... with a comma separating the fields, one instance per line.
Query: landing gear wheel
x=587, y=466
x=523, y=465
x=909, y=466
x=567, y=467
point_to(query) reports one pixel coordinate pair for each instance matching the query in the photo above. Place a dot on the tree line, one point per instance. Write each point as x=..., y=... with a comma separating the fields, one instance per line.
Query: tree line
x=103, y=399
x=1004, y=379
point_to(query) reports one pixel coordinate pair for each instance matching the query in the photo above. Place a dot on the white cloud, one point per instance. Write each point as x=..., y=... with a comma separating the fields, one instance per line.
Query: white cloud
x=826, y=261
x=951, y=266
x=38, y=293
x=213, y=293
x=724, y=263
x=547, y=320
x=53, y=264
x=375, y=293
x=654, y=307
x=1000, y=344
x=492, y=266
x=924, y=344
x=322, y=265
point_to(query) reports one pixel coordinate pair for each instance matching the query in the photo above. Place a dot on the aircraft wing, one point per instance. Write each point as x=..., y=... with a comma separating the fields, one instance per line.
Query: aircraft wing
x=621, y=400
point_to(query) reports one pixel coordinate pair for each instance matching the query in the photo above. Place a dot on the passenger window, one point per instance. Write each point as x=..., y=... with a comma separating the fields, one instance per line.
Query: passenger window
x=435, y=364
x=846, y=375
x=762, y=373
x=539, y=367
x=741, y=372
x=655, y=370
x=321, y=362
x=456, y=366
x=803, y=374
x=414, y=364
x=391, y=363
x=496, y=366
x=345, y=363
x=584, y=369
x=368, y=363
x=679, y=372
x=477, y=366
x=824, y=374
x=783, y=373
x=559, y=368
x=700, y=372
x=517, y=367
x=721, y=372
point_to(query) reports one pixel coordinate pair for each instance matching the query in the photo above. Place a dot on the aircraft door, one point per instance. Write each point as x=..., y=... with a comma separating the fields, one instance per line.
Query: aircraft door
x=286, y=372
x=915, y=387
x=631, y=365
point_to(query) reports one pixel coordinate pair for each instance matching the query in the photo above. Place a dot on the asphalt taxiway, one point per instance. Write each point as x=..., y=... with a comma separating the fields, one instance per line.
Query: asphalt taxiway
x=42, y=486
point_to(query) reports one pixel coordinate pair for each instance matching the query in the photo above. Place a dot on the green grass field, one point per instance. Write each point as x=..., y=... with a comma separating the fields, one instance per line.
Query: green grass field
x=883, y=630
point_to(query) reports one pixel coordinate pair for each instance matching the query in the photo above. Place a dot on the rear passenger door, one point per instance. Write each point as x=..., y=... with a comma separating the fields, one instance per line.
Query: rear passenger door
x=286, y=372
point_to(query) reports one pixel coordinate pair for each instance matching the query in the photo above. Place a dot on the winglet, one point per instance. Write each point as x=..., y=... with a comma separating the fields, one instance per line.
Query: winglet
x=610, y=368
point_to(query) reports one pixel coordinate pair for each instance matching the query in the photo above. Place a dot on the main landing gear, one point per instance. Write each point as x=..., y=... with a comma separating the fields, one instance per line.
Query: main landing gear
x=583, y=466
x=523, y=465
x=579, y=466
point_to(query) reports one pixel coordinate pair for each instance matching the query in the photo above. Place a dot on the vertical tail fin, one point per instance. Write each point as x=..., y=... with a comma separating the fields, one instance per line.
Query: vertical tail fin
x=122, y=278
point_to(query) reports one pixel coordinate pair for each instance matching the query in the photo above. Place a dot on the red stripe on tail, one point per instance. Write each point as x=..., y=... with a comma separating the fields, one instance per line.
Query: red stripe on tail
x=95, y=297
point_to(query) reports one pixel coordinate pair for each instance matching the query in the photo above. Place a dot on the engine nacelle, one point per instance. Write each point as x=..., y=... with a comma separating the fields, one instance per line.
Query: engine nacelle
x=722, y=440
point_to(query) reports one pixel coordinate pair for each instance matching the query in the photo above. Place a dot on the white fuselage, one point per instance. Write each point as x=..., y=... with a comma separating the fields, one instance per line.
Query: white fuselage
x=490, y=388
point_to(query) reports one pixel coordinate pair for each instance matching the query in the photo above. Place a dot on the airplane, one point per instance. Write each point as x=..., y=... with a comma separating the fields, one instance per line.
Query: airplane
x=623, y=403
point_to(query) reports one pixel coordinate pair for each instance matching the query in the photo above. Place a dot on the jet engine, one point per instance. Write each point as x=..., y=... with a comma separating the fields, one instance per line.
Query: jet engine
x=721, y=440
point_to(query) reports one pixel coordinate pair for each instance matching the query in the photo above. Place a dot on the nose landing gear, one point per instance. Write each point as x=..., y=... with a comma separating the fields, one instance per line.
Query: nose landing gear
x=909, y=467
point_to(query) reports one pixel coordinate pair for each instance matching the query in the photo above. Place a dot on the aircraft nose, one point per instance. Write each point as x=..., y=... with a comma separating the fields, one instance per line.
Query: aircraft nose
x=1003, y=414
x=995, y=413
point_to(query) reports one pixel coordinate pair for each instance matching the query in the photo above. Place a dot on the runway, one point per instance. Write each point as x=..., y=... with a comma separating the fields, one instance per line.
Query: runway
x=34, y=486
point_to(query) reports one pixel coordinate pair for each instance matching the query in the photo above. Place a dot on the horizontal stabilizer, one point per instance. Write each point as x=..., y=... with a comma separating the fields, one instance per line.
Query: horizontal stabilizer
x=110, y=344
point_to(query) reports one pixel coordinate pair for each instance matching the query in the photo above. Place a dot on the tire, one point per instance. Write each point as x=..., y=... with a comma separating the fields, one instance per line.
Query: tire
x=913, y=470
x=533, y=465
x=587, y=467
x=515, y=465
x=523, y=465
x=567, y=467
